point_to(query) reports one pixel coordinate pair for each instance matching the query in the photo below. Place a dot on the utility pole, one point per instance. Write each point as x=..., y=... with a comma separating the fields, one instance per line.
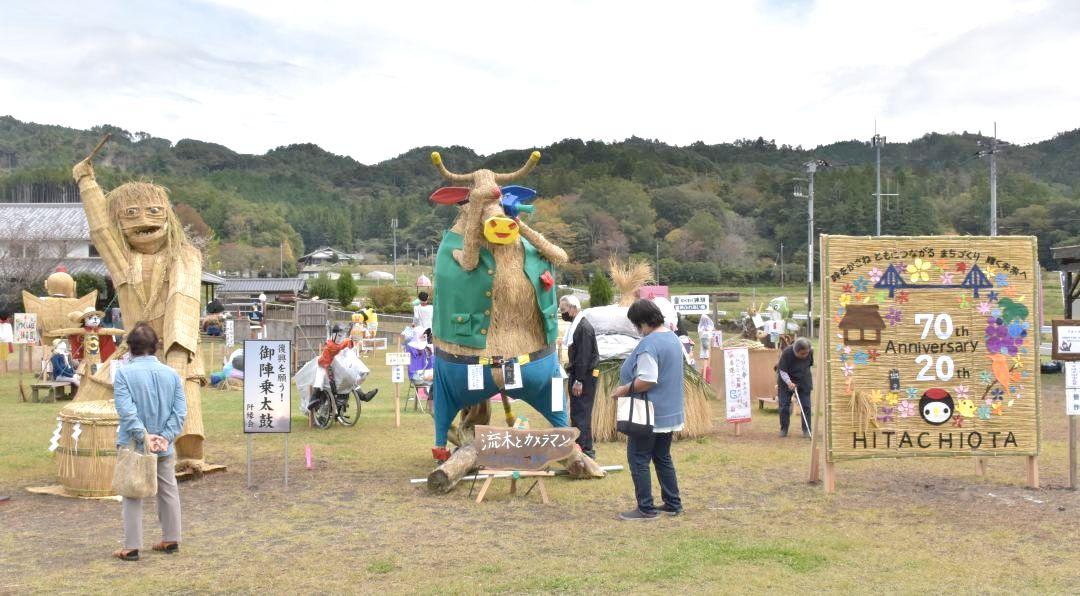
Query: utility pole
x=658, y=262
x=393, y=226
x=995, y=147
x=811, y=169
x=781, y=263
x=877, y=142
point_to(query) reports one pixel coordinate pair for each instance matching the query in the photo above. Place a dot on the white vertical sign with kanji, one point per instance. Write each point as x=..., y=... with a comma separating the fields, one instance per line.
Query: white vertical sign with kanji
x=737, y=384
x=267, y=386
x=1072, y=388
x=26, y=329
x=230, y=333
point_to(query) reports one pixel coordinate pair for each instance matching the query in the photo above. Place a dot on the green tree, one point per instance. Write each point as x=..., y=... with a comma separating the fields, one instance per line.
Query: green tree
x=346, y=287
x=322, y=286
x=600, y=290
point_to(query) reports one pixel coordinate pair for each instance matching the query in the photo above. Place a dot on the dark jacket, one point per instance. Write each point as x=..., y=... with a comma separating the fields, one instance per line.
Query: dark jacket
x=796, y=368
x=583, y=355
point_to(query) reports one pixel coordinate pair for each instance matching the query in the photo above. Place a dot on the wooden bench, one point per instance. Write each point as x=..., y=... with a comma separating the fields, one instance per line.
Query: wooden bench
x=54, y=390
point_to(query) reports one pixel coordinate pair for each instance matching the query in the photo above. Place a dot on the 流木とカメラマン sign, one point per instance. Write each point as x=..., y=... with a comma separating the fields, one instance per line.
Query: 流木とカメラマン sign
x=930, y=346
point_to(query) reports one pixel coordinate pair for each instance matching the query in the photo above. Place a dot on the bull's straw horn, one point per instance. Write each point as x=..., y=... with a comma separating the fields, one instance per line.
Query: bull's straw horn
x=534, y=158
x=437, y=160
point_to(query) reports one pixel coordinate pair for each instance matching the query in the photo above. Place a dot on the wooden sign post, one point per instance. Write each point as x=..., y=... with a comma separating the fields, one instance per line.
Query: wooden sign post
x=1066, y=347
x=737, y=386
x=267, y=393
x=26, y=333
x=398, y=361
x=930, y=347
x=515, y=453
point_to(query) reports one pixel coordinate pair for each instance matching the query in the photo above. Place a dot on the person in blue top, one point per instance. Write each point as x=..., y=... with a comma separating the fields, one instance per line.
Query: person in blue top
x=62, y=367
x=150, y=401
x=655, y=368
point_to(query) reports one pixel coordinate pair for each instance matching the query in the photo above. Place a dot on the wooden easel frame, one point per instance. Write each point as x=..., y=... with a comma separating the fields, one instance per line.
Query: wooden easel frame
x=514, y=475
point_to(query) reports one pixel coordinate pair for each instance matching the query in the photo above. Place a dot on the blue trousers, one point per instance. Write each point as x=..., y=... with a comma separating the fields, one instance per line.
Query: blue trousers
x=451, y=392
x=655, y=449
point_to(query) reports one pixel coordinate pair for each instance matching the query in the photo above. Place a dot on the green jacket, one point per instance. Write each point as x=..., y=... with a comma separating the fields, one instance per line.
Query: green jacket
x=462, y=300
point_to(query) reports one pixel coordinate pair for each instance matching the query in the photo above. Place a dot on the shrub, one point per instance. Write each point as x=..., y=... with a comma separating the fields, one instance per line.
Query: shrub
x=346, y=287
x=322, y=286
x=390, y=299
x=600, y=290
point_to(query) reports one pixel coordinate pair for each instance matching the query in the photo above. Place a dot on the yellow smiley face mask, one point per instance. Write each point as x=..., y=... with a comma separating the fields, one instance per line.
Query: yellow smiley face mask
x=500, y=230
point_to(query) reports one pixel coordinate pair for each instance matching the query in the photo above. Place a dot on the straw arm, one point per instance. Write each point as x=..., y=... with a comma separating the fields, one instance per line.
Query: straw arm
x=437, y=160
x=99, y=220
x=556, y=255
x=534, y=158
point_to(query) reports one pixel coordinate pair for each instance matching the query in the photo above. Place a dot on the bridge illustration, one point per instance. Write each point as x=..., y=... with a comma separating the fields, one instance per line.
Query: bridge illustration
x=975, y=280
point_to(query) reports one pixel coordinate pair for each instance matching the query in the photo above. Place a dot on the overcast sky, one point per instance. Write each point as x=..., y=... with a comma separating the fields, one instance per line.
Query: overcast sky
x=374, y=79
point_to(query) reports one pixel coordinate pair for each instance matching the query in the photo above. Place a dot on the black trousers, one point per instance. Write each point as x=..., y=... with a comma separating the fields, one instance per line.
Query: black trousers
x=784, y=399
x=581, y=411
x=655, y=449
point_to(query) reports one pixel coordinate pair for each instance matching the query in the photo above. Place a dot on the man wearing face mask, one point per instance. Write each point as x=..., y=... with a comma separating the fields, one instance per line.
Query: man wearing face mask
x=583, y=356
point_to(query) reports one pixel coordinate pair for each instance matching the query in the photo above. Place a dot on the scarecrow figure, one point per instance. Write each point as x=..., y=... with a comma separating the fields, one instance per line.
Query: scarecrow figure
x=90, y=343
x=156, y=272
x=495, y=307
x=52, y=310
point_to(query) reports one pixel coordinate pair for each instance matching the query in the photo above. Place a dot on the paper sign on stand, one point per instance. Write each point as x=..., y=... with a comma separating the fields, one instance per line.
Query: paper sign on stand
x=397, y=374
x=737, y=386
x=230, y=333
x=397, y=358
x=26, y=330
x=1072, y=388
x=693, y=304
x=267, y=392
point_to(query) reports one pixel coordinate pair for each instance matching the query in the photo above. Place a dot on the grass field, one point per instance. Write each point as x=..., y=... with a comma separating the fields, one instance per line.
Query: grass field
x=355, y=524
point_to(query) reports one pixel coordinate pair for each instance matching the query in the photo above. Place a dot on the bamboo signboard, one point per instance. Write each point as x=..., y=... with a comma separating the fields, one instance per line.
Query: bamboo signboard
x=931, y=346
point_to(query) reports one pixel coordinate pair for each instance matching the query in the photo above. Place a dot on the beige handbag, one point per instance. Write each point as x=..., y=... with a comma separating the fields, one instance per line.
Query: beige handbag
x=136, y=473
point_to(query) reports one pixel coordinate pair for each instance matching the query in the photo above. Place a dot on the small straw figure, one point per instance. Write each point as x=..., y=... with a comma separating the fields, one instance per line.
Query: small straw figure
x=91, y=344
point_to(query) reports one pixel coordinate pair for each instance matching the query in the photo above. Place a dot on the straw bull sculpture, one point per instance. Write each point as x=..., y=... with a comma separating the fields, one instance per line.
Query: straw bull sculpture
x=496, y=311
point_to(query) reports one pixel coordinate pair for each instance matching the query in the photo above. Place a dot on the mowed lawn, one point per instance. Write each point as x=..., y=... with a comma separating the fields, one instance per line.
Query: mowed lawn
x=356, y=524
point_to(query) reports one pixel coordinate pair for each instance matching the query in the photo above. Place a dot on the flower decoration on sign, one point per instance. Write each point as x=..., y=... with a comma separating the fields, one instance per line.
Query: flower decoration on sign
x=919, y=270
x=961, y=391
x=861, y=284
x=873, y=355
x=892, y=398
x=1001, y=280
x=848, y=369
x=983, y=412
x=894, y=316
x=903, y=297
x=843, y=357
x=845, y=299
x=996, y=409
x=1018, y=329
x=947, y=278
x=964, y=301
x=875, y=396
x=1011, y=402
x=983, y=308
x=985, y=377
x=958, y=421
x=990, y=271
x=961, y=267
x=992, y=296
x=880, y=297
x=912, y=393
x=861, y=357
x=847, y=289
x=997, y=393
x=886, y=414
x=875, y=274
x=906, y=409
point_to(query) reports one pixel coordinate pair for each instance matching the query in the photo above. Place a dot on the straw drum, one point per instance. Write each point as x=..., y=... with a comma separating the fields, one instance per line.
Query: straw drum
x=85, y=464
x=696, y=392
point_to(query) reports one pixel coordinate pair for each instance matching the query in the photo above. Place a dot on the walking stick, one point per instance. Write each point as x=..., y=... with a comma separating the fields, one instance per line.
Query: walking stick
x=802, y=412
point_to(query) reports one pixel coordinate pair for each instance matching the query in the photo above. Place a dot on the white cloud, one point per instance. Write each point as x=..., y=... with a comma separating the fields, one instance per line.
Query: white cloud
x=375, y=79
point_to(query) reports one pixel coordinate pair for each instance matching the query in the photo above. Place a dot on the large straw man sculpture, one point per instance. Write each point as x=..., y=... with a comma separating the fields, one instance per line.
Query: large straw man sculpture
x=157, y=276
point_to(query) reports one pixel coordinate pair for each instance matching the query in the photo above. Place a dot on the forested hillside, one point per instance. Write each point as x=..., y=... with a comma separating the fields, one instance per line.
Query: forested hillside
x=718, y=212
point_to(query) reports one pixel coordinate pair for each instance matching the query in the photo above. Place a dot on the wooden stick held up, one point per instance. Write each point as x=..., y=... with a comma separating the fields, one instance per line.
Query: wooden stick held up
x=100, y=144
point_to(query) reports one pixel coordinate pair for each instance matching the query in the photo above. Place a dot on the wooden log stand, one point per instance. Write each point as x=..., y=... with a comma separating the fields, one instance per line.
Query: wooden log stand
x=514, y=476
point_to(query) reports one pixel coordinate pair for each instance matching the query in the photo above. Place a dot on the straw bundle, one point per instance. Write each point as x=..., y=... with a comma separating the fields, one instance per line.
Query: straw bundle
x=628, y=278
x=696, y=394
x=85, y=466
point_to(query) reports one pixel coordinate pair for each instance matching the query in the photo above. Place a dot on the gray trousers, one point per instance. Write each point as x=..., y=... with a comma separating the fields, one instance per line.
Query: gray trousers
x=168, y=507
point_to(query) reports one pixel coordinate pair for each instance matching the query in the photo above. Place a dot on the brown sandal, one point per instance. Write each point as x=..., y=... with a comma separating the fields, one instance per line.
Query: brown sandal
x=127, y=554
x=167, y=547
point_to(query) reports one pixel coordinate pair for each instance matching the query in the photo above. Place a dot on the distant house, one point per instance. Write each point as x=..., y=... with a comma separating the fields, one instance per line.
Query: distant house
x=327, y=260
x=862, y=325
x=44, y=230
x=247, y=289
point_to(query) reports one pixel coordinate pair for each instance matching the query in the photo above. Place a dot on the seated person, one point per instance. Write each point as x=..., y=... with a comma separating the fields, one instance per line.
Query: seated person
x=62, y=367
x=337, y=342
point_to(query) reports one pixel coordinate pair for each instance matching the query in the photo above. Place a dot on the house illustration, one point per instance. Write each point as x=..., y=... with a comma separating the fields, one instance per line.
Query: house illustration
x=862, y=325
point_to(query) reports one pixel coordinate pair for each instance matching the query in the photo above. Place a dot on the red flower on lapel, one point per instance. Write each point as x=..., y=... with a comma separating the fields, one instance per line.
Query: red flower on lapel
x=547, y=280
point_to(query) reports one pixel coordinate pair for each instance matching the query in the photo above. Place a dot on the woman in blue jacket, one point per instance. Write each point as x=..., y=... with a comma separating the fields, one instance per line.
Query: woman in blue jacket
x=655, y=367
x=151, y=404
